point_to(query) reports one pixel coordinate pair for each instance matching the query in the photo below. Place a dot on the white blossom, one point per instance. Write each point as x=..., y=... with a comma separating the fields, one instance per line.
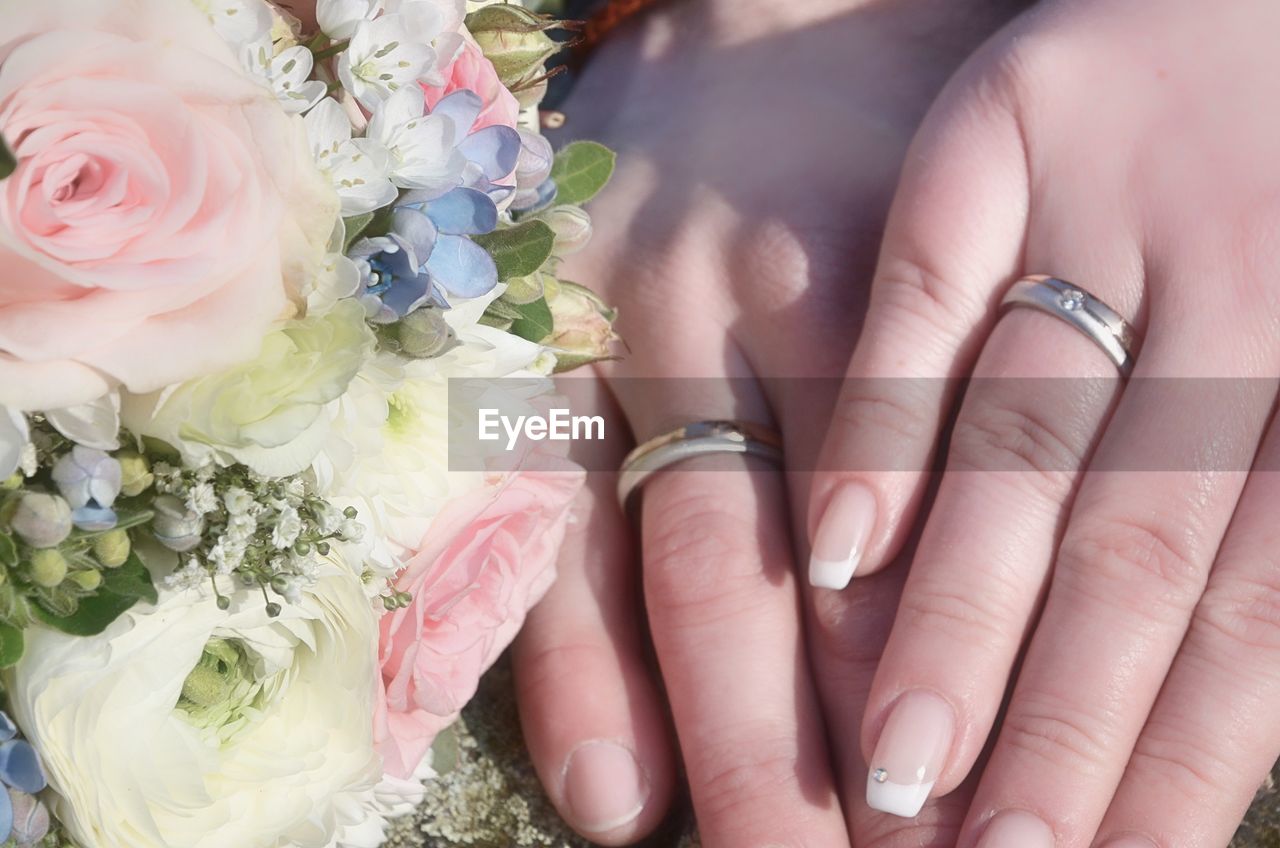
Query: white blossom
x=287, y=528
x=15, y=436
x=238, y=22
x=357, y=168
x=383, y=57
x=238, y=501
x=287, y=74
x=338, y=18
x=202, y=499
x=423, y=148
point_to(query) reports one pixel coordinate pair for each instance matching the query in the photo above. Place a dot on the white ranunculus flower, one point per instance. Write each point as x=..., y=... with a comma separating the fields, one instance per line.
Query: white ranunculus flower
x=269, y=414
x=185, y=725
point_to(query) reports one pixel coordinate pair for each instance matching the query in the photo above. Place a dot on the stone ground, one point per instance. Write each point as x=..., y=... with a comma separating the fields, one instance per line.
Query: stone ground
x=491, y=797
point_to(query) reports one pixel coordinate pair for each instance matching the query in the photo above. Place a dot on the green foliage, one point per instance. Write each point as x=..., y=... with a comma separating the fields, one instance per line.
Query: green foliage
x=520, y=250
x=581, y=170
x=535, y=322
x=356, y=225
x=12, y=644
x=88, y=616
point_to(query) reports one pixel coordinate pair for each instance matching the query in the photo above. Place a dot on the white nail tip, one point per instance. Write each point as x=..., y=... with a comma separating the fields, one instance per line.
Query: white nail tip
x=898, y=799
x=831, y=574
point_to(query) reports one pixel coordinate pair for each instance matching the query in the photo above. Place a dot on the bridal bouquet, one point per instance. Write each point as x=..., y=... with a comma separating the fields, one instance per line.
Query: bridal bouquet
x=244, y=247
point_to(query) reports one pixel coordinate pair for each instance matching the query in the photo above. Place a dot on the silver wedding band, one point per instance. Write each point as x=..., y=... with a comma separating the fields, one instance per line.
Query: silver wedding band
x=1069, y=303
x=700, y=438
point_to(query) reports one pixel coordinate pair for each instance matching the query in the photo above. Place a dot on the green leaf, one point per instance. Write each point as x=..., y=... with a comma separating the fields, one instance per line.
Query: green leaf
x=520, y=250
x=356, y=225
x=130, y=580
x=535, y=322
x=11, y=645
x=581, y=170
x=445, y=751
x=7, y=161
x=8, y=551
x=121, y=588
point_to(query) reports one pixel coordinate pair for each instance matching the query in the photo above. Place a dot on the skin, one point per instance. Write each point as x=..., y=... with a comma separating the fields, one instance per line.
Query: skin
x=1131, y=615
x=724, y=211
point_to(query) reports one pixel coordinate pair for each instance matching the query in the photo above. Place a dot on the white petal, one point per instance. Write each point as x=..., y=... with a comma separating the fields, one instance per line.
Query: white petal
x=327, y=128
x=93, y=425
x=13, y=438
x=338, y=18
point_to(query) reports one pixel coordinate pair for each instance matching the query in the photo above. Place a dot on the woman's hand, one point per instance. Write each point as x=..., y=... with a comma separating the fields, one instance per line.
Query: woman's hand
x=1111, y=531
x=759, y=146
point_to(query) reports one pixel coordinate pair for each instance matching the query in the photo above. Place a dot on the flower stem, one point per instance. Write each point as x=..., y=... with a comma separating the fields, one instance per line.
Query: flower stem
x=331, y=51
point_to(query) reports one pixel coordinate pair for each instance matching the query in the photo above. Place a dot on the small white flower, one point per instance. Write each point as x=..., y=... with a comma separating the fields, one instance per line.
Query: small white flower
x=288, y=528
x=353, y=530
x=202, y=499
x=383, y=57
x=238, y=501
x=190, y=576
x=238, y=22
x=423, y=147
x=240, y=528
x=29, y=463
x=338, y=18
x=287, y=74
x=357, y=167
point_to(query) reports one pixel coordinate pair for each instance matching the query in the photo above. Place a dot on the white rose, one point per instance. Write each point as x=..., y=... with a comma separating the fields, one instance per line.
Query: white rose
x=183, y=725
x=270, y=413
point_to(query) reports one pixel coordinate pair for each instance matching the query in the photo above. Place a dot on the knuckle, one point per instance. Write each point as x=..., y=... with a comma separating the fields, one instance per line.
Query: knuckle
x=974, y=619
x=899, y=408
x=1184, y=767
x=998, y=437
x=908, y=288
x=729, y=783
x=1245, y=610
x=1056, y=734
x=1138, y=559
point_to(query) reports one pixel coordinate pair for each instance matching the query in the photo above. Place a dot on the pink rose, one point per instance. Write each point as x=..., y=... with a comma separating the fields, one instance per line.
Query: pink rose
x=470, y=70
x=486, y=561
x=164, y=210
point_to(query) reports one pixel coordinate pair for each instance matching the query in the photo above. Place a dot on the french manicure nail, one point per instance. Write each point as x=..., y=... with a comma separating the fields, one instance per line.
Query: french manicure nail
x=842, y=536
x=604, y=787
x=1017, y=829
x=912, y=750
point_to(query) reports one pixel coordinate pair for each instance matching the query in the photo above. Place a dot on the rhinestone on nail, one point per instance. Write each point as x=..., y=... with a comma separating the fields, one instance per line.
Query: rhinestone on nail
x=880, y=775
x=1071, y=300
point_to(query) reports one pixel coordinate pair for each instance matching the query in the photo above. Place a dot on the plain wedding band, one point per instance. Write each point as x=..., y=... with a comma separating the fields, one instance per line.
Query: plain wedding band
x=701, y=438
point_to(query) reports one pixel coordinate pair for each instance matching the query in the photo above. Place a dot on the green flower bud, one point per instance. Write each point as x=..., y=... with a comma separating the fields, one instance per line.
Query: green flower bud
x=14, y=482
x=425, y=334
x=48, y=568
x=43, y=521
x=113, y=548
x=515, y=40
x=88, y=580
x=583, y=326
x=136, y=476
x=572, y=226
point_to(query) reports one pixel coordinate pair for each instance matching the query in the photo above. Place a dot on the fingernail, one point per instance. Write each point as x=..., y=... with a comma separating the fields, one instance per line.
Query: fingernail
x=604, y=787
x=1131, y=842
x=842, y=536
x=1017, y=829
x=912, y=750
